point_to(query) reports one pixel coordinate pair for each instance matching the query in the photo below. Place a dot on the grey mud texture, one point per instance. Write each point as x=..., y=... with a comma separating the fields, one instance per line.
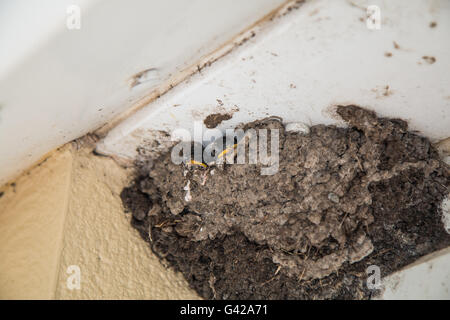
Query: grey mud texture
x=343, y=199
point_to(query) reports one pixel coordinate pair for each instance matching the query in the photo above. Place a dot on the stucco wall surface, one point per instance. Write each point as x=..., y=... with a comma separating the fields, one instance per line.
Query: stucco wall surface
x=114, y=262
x=32, y=213
x=67, y=212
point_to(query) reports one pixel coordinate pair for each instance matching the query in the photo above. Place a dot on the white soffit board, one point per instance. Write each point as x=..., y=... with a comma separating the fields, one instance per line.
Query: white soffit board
x=302, y=64
x=428, y=278
x=57, y=84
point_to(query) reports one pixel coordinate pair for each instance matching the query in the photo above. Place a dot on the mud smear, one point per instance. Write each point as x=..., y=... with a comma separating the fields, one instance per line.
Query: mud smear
x=213, y=120
x=429, y=60
x=342, y=200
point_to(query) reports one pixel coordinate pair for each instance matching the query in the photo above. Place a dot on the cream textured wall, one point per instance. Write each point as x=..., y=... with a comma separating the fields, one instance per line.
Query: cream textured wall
x=32, y=216
x=67, y=211
x=115, y=262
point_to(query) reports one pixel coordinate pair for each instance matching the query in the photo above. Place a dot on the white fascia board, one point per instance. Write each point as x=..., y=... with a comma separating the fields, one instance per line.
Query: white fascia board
x=57, y=84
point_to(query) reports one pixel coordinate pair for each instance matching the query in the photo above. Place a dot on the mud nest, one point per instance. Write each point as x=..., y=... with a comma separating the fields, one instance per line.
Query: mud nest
x=343, y=199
